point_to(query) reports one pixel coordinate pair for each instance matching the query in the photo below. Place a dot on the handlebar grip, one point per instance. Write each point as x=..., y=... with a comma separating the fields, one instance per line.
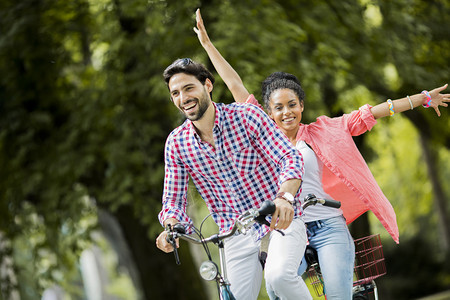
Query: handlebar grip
x=332, y=203
x=267, y=208
x=179, y=228
x=170, y=239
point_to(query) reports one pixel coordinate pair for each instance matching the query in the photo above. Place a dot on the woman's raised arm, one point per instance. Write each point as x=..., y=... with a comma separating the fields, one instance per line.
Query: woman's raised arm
x=432, y=99
x=225, y=70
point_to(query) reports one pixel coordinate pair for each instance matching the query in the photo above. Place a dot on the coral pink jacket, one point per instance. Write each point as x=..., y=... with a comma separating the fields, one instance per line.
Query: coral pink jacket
x=346, y=176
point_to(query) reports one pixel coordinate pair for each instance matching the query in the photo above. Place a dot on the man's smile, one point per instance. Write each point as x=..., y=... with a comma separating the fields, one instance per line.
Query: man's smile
x=189, y=107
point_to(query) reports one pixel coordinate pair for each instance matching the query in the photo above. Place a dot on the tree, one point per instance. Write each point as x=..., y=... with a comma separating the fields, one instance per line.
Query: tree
x=81, y=129
x=84, y=113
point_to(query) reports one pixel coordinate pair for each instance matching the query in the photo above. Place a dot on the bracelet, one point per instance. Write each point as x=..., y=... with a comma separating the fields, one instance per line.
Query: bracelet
x=427, y=103
x=391, y=107
x=410, y=102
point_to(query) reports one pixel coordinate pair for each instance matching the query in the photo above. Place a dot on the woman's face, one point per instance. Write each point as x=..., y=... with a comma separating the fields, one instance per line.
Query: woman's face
x=286, y=110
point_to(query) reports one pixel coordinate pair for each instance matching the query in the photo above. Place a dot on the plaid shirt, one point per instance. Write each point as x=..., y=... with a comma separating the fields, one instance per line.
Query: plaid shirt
x=251, y=158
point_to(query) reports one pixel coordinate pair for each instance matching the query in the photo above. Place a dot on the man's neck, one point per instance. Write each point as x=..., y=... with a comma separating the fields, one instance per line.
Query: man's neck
x=205, y=125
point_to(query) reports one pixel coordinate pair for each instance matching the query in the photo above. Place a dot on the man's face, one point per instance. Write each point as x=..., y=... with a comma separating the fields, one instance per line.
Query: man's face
x=189, y=95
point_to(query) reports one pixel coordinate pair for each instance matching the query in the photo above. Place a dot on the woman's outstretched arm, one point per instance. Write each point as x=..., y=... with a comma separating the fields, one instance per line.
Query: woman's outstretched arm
x=400, y=105
x=225, y=70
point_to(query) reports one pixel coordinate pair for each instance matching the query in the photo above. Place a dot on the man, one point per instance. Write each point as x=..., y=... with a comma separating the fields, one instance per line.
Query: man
x=237, y=159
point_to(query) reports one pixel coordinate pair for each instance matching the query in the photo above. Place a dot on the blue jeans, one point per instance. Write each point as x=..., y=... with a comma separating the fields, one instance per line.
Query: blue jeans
x=336, y=251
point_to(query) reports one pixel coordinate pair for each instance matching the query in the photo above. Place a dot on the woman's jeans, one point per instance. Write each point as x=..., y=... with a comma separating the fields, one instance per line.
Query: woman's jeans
x=336, y=252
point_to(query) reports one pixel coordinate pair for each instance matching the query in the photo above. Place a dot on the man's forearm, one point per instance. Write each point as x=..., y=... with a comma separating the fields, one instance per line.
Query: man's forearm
x=291, y=186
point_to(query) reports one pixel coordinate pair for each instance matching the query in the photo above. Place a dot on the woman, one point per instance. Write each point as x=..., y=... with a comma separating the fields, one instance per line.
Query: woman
x=334, y=168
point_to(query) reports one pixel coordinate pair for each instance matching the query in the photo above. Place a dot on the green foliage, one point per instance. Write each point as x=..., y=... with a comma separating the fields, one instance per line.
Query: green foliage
x=393, y=172
x=84, y=112
x=416, y=256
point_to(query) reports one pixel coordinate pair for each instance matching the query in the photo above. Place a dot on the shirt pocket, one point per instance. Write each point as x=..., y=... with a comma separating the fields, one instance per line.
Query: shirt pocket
x=246, y=160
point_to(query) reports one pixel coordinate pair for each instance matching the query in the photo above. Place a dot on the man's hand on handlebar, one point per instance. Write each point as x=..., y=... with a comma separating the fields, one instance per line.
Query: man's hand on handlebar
x=283, y=215
x=163, y=244
x=162, y=241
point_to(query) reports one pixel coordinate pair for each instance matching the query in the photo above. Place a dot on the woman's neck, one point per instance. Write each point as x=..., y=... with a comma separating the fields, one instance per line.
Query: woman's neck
x=292, y=135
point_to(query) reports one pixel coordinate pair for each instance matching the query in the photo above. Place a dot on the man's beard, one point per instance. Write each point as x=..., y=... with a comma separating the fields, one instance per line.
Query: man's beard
x=203, y=105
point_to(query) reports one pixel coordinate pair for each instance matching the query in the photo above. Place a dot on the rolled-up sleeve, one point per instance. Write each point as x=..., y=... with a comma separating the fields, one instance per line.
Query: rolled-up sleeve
x=359, y=121
x=176, y=179
x=252, y=100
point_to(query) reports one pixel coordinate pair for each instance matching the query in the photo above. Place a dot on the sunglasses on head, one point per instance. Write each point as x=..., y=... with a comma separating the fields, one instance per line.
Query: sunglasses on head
x=184, y=61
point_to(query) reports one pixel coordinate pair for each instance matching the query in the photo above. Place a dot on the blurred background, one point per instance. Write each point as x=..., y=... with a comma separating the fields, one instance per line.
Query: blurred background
x=84, y=114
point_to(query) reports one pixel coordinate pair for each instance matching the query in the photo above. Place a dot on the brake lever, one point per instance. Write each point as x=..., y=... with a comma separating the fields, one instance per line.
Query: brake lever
x=172, y=241
x=262, y=220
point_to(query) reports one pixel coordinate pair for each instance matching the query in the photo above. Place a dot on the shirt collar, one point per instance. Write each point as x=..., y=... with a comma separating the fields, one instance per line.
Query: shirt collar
x=218, y=121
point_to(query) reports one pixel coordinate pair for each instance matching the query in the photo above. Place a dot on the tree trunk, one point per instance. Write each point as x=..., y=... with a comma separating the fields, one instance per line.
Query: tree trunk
x=431, y=161
x=440, y=201
x=159, y=276
x=114, y=234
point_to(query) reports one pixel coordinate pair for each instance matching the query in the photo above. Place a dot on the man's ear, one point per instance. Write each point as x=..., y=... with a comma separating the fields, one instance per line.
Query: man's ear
x=209, y=85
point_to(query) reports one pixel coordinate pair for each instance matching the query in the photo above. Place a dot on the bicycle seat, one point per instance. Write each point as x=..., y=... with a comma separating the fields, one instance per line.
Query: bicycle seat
x=311, y=256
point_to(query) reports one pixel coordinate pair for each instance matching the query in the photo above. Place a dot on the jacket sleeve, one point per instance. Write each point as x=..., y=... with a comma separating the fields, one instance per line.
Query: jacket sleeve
x=359, y=121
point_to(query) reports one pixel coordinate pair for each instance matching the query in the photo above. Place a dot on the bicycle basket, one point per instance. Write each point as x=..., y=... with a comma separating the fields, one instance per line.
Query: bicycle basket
x=369, y=264
x=369, y=259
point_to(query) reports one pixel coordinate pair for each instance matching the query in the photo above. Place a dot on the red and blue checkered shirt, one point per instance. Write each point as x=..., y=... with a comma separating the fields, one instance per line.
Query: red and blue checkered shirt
x=250, y=160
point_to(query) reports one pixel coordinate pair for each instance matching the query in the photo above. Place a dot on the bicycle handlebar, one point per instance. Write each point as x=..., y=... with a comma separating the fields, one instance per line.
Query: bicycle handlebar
x=311, y=199
x=257, y=215
x=241, y=224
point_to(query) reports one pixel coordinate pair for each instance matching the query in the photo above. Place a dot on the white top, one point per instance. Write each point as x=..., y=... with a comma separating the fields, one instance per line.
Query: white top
x=312, y=184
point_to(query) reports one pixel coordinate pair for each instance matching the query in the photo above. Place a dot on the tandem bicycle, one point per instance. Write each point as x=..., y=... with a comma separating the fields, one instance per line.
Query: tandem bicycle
x=209, y=270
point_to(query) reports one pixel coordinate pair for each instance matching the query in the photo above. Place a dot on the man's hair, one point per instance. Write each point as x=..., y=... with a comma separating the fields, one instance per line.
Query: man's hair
x=188, y=66
x=280, y=80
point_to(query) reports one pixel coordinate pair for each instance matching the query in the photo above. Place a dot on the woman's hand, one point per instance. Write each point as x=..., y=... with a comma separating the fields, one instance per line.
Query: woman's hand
x=200, y=30
x=225, y=70
x=439, y=99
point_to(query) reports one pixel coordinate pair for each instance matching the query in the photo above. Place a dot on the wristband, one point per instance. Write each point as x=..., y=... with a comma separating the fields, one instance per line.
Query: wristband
x=391, y=107
x=427, y=103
